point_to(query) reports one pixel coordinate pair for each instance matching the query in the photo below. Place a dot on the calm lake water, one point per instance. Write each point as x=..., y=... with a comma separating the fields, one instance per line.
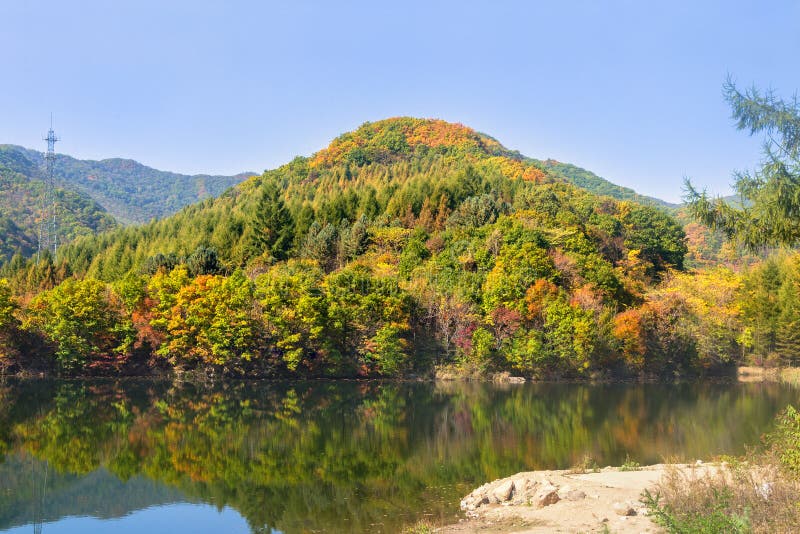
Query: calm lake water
x=148, y=456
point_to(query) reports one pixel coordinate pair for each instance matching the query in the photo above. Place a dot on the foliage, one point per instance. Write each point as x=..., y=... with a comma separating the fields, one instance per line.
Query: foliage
x=630, y=465
x=599, y=186
x=272, y=226
x=770, y=304
x=130, y=191
x=713, y=302
x=207, y=319
x=21, y=198
x=204, y=260
x=9, y=327
x=83, y=322
x=294, y=311
x=715, y=518
x=784, y=440
x=757, y=493
x=769, y=207
x=404, y=245
x=7, y=305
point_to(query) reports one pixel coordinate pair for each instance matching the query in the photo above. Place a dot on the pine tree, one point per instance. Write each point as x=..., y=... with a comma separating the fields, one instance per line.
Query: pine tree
x=271, y=225
x=769, y=211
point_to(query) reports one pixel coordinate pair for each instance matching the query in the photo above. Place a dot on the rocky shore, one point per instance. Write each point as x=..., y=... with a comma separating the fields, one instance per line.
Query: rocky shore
x=605, y=500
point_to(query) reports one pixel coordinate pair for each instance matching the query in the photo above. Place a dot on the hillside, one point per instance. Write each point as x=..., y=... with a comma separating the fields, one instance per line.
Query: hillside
x=20, y=201
x=128, y=190
x=393, y=173
x=600, y=186
x=404, y=245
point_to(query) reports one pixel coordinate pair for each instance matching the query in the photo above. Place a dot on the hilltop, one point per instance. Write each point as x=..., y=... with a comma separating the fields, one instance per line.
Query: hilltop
x=392, y=172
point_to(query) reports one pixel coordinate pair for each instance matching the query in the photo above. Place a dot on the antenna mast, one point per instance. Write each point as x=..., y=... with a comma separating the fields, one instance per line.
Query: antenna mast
x=49, y=236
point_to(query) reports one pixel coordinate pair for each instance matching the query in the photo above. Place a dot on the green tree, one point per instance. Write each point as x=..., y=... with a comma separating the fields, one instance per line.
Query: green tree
x=294, y=312
x=768, y=213
x=211, y=322
x=204, y=260
x=8, y=326
x=272, y=225
x=659, y=238
x=320, y=245
x=515, y=270
x=82, y=321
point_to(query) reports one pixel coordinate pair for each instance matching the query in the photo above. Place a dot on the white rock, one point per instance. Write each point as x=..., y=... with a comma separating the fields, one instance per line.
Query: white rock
x=574, y=495
x=504, y=491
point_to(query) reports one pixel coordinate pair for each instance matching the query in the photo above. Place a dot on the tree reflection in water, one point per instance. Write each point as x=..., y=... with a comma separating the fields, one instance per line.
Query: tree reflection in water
x=333, y=456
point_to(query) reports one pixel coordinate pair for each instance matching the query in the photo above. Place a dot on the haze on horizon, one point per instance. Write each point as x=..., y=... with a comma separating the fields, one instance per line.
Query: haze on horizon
x=628, y=90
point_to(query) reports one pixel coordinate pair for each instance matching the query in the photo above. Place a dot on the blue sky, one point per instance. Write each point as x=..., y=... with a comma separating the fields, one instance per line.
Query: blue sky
x=629, y=90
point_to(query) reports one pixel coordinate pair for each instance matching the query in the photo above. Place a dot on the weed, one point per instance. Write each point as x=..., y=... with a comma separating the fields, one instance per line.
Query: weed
x=586, y=465
x=421, y=527
x=715, y=518
x=630, y=465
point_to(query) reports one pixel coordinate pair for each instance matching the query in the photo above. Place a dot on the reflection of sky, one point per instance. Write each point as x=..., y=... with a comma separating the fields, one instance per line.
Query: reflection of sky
x=169, y=519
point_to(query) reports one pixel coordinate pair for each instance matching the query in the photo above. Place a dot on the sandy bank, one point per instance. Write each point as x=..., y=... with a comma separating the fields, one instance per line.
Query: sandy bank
x=565, y=501
x=789, y=375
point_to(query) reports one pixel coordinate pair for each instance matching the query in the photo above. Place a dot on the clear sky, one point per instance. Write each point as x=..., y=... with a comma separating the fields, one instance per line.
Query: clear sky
x=630, y=90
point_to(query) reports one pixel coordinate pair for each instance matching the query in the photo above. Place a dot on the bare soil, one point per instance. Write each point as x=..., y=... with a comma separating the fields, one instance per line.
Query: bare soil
x=610, y=502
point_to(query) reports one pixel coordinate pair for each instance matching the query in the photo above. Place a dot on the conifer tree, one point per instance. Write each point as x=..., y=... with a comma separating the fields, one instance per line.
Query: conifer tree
x=769, y=211
x=272, y=226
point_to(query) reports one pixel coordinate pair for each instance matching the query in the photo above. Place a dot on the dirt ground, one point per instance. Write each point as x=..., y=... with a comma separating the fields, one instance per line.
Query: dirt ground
x=603, y=501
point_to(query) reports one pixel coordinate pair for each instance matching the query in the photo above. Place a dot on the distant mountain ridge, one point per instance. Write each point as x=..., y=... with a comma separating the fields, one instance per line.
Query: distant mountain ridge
x=21, y=197
x=130, y=191
x=600, y=186
x=134, y=193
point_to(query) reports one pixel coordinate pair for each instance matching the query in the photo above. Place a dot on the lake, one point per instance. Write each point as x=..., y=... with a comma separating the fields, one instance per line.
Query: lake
x=330, y=456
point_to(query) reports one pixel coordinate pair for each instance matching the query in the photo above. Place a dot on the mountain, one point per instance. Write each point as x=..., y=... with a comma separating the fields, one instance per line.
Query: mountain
x=394, y=172
x=21, y=197
x=131, y=192
x=600, y=186
x=404, y=244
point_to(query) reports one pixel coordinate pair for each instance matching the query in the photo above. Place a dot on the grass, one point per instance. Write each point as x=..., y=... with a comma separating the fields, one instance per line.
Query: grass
x=791, y=375
x=759, y=493
x=421, y=527
x=587, y=465
x=630, y=465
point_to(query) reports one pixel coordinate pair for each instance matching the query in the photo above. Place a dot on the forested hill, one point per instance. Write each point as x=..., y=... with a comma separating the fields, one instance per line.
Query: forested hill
x=600, y=186
x=403, y=244
x=130, y=191
x=396, y=173
x=20, y=208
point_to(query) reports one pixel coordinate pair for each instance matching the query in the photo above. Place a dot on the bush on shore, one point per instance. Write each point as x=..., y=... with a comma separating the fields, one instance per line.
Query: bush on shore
x=760, y=493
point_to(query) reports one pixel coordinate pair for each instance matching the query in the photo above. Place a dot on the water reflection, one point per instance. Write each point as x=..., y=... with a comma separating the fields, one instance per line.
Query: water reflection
x=334, y=456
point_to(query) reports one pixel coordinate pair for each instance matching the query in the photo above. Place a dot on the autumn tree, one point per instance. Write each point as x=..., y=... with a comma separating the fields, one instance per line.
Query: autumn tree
x=9, y=326
x=83, y=322
x=295, y=314
x=207, y=320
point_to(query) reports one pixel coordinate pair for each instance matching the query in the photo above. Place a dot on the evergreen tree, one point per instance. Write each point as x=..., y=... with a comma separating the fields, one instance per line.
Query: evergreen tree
x=769, y=211
x=204, y=260
x=272, y=225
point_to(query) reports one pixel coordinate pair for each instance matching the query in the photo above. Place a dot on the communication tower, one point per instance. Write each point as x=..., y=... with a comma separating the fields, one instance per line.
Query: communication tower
x=48, y=222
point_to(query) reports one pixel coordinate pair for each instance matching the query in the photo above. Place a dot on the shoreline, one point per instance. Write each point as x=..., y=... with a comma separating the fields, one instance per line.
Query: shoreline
x=570, y=500
x=742, y=374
